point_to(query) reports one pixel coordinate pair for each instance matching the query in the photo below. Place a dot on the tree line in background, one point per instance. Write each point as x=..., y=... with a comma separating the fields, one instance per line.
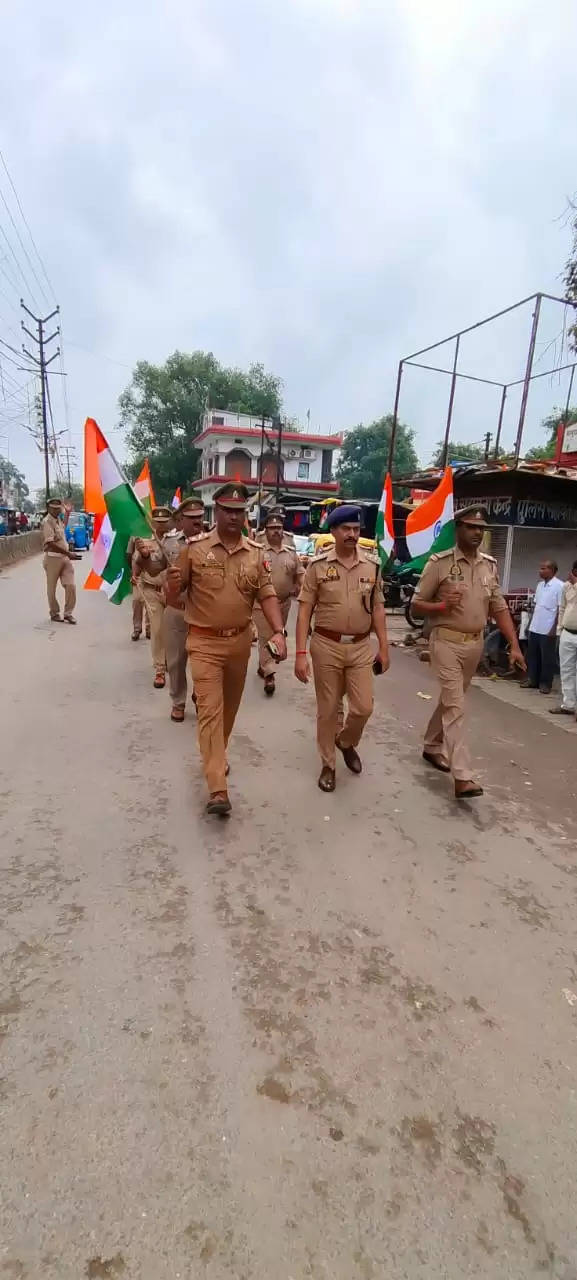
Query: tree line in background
x=162, y=413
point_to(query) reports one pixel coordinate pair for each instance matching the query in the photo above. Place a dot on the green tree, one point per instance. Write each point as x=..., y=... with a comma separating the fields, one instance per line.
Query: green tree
x=12, y=479
x=60, y=489
x=365, y=457
x=162, y=408
x=466, y=452
x=550, y=425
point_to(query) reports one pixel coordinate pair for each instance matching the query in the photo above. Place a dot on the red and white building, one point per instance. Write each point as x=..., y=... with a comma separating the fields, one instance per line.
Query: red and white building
x=231, y=444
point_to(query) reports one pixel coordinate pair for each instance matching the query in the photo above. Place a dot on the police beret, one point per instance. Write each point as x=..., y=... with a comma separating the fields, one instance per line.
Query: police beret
x=232, y=496
x=343, y=515
x=276, y=514
x=474, y=512
x=190, y=506
x=161, y=513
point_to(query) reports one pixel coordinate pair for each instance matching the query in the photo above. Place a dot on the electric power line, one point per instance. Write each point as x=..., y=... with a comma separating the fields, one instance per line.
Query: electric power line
x=23, y=247
x=24, y=219
x=29, y=291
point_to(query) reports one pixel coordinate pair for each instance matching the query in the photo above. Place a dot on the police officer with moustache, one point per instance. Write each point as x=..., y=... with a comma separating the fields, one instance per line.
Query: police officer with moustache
x=222, y=575
x=342, y=589
x=457, y=591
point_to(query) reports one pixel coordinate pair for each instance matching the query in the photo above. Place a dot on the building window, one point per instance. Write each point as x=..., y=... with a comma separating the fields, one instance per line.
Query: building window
x=303, y=473
x=326, y=466
x=238, y=464
x=217, y=422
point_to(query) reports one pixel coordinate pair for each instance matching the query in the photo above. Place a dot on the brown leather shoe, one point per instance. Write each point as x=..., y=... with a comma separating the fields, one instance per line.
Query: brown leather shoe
x=219, y=804
x=351, y=758
x=177, y=714
x=467, y=790
x=327, y=780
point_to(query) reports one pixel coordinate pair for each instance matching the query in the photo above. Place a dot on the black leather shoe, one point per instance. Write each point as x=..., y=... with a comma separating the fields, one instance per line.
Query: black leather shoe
x=351, y=758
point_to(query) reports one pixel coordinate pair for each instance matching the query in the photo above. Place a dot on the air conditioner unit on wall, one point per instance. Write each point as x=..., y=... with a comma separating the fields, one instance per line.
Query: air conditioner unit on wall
x=307, y=453
x=293, y=453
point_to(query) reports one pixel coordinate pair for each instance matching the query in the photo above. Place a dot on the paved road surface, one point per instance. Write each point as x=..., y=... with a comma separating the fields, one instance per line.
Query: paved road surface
x=332, y=1038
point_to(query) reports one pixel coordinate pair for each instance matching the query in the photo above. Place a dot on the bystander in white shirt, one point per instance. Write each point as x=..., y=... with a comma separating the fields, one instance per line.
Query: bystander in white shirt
x=547, y=600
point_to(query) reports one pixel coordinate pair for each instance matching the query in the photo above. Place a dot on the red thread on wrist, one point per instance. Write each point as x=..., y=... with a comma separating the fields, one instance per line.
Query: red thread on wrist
x=443, y=606
x=301, y=653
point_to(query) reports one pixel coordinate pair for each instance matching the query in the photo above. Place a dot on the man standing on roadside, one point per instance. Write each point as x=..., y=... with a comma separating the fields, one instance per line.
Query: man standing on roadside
x=457, y=591
x=57, y=563
x=542, y=645
x=287, y=574
x=342, y=588
x=567, y=630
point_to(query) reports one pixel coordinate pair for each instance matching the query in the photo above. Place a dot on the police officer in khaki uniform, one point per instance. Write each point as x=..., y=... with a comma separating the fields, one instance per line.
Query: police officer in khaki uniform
x=149, y=571
x=222, y=573
x=138, y=607
x=342, y=588
x=57, y=563
x=188, y=521
x=457, y=592
x=287, y=574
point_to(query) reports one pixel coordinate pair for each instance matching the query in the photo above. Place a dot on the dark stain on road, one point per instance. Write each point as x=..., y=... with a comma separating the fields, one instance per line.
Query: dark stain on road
x=273, y=1089
x=101, y=1268
x=474, y=1140
x=529, y=909
x=420, y=1133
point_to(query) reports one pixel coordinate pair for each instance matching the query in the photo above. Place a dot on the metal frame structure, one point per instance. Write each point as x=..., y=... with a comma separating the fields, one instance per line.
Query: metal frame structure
x=454, y=373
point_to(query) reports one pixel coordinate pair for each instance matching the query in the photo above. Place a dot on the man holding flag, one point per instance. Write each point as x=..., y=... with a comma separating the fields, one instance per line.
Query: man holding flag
x=458, y=590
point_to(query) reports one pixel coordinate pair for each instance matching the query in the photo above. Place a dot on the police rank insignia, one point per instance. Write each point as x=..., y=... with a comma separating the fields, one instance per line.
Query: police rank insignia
x=332, y=573
x=266, y=564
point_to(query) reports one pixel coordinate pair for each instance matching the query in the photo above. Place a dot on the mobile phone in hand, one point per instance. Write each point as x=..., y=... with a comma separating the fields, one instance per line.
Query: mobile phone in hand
x=377, y=667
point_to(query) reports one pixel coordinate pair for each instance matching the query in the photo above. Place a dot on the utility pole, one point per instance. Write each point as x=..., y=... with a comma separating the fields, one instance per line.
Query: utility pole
x=278, y=457
x=487, y=446
x=42, y=364
x=69, y=451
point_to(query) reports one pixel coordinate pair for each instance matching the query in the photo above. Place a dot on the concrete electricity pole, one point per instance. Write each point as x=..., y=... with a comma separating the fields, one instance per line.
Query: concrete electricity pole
x=42, y=364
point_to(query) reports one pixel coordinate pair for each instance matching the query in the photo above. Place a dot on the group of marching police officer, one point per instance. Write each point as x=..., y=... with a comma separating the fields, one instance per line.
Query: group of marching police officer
x=204, y=592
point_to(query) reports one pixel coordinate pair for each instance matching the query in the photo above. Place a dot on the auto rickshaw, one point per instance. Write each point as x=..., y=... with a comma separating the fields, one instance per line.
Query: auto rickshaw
x=78, y=530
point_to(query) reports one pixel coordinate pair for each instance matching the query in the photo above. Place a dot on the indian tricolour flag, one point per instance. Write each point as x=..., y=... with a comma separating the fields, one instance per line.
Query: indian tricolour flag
x=125, y=518
x=143, y=488
x=431, y=526
x=384, y=532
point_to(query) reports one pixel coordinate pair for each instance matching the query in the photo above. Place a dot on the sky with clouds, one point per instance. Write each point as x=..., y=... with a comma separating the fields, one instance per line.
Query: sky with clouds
x=321, y=185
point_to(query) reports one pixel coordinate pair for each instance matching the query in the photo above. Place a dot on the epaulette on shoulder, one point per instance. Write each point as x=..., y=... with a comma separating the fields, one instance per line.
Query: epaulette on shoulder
x=488, y=557
x=321, y=555
x=198, y=537
x=252, y=542
x=440, y=555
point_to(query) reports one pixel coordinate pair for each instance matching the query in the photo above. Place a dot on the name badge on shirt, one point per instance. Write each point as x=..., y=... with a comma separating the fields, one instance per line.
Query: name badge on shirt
x=331, y=573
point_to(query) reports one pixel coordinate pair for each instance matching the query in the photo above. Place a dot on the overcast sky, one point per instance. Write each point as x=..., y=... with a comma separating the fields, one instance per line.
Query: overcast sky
x=321, y=185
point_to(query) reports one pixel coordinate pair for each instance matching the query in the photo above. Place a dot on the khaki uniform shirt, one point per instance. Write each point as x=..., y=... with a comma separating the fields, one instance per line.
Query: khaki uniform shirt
x=155, y=558
x=286, y=570
x=53, y=531
x=479, y=582
x=172, y=545
x=568, y=608
x=222, y=586
x=342, y=596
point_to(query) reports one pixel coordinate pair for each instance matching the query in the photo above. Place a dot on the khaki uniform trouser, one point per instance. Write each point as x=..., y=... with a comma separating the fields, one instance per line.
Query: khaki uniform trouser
x=175, y=633
x=59, y=569
x=338, y=669
x=265, y=660
x=138, y=611
x=455, y=665
x=218, y=667
x=154, y=603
